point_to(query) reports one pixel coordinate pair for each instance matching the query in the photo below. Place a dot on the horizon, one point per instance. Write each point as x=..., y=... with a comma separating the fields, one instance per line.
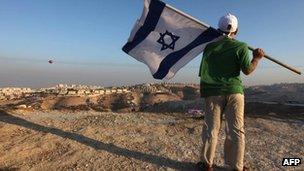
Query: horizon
x=130, y=85
x=85, y=43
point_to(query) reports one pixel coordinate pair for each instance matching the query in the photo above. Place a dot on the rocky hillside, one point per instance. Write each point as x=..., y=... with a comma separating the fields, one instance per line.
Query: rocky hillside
x=282, y=93
x=153, y=98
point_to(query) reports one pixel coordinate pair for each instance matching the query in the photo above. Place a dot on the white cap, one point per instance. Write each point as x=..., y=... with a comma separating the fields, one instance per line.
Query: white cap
x=228, y=23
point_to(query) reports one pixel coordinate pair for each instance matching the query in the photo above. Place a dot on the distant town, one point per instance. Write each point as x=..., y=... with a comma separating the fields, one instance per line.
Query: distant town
x=9, y=93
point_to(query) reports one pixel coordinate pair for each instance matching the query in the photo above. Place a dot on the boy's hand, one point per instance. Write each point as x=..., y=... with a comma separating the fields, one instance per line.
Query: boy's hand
x=258, y=54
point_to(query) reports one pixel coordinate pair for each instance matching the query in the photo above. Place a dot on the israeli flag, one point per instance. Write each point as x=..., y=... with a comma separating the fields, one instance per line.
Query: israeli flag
x=166, y=40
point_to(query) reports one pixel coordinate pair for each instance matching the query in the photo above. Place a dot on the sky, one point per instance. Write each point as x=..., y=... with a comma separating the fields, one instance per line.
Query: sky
x=84, y=39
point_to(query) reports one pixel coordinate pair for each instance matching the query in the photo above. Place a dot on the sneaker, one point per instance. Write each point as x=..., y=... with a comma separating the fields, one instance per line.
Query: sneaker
x=204, y=166
x=246, y=168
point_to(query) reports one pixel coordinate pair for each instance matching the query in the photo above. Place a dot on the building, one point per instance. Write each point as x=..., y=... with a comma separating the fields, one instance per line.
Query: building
x=72, y=92
x=108, y=91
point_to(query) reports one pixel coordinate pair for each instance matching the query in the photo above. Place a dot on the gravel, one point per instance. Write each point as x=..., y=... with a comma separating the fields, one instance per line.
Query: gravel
x=89, y=140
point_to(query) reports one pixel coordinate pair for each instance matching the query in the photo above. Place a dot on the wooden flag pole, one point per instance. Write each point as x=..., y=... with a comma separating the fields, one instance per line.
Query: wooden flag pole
x=250, y=48
x=279, y=62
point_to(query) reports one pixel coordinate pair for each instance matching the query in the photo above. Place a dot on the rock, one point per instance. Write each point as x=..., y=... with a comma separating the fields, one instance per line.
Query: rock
x=23, y=106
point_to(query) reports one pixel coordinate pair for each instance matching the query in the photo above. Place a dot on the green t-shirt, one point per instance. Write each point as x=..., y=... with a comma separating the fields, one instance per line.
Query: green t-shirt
x=221, y=65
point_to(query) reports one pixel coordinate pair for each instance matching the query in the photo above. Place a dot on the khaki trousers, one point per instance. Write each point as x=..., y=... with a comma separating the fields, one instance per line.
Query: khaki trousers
x=233, y=107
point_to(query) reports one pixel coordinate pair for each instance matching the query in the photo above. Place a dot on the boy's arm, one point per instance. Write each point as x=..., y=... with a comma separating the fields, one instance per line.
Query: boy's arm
x=257, y=56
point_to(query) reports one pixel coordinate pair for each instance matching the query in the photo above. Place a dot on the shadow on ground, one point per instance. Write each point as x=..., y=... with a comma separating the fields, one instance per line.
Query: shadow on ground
x=8, y=169
x=111, y=148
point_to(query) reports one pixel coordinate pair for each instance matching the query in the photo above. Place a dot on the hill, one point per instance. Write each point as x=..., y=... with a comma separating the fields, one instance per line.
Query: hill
x=90, y=140
x=146, y=128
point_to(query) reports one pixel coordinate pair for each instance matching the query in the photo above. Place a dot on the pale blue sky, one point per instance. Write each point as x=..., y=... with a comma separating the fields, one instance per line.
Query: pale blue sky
x=85, y=38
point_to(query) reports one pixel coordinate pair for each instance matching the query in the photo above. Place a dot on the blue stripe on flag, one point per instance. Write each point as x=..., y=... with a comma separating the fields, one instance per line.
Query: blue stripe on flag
x=174, y=57
x=156, y=8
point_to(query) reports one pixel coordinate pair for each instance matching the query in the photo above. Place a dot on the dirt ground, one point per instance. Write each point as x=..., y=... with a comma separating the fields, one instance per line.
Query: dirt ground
x=90, y=140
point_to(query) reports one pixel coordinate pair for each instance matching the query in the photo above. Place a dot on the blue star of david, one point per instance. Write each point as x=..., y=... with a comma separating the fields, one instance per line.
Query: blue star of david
x=162, y=41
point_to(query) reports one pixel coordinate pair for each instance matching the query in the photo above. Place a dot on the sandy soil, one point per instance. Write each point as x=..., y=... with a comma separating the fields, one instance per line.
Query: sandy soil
x=89, y=140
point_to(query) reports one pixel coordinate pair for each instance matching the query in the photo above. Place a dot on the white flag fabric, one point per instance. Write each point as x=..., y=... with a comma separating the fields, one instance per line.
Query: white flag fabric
x=166, y=40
